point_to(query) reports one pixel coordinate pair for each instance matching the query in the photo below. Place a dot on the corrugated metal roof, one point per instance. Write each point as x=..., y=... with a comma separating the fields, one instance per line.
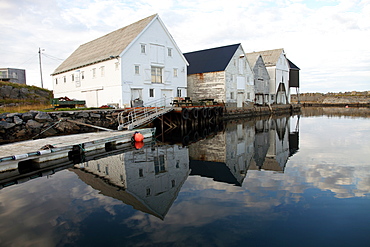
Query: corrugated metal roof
x=210, y=60
x=105, y=47
x=270, y=57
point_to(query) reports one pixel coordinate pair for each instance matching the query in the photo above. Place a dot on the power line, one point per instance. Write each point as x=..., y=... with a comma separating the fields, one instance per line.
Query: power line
x=27, y=60
x=52, y=57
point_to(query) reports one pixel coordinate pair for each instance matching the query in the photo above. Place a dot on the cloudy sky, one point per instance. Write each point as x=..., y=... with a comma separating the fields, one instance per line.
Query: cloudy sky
x=327, y=39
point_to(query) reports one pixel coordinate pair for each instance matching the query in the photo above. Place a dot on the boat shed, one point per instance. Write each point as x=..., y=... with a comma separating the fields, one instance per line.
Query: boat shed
x=140, y=62
x=261, y=78
x=222, y=74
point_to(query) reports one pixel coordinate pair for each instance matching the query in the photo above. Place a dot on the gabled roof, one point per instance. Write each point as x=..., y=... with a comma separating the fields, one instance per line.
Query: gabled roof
x=252, y=58
x=104, y=48
x=210, y=60
x=270, y=57
x=292, y=65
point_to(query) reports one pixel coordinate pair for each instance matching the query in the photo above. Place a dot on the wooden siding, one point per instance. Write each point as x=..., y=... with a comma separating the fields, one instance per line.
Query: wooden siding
x=207, y=86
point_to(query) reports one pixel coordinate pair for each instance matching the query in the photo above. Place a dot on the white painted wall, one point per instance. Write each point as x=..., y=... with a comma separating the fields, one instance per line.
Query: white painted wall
x=101, y=89
x=239, y=79
x=157, y=42
x=119, y=78
x=279, y=74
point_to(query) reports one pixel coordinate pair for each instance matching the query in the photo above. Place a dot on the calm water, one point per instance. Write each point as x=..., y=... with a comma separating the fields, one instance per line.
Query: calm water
x=298, y=181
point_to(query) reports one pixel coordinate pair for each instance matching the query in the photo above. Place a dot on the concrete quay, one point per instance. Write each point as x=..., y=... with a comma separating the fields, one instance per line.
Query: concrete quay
x=36, y=152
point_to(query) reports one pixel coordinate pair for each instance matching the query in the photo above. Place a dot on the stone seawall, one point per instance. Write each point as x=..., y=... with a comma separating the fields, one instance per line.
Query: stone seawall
x=36, y=124
x=255, y=111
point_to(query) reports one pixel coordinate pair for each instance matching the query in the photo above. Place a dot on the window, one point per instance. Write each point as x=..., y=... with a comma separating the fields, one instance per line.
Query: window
x=178, y=92
x=102, y=71
x=151, y=92
x=141, y=172
x=272, y=97
x=232, y=95
x=175, y=72
x=82, y=75
x=64, y=79
x=156, y=73
x=248, y=95
x=159, y=164
x=173, y=183
x=148, y=192
x=93, y=72
x=56, y=81
x=143, y=49
x=73, y=77
x=137, y=70
x=169, y=52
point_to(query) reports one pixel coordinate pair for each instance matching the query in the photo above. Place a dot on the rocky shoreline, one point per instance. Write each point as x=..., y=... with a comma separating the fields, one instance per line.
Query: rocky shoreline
x=356, y=99
x=36, y=124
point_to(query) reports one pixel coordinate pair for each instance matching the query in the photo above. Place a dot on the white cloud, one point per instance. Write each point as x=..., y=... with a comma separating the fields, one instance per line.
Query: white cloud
x=326, y=39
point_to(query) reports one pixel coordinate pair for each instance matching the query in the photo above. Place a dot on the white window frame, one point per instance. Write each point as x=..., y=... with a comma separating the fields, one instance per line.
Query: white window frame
x=156, y=74
x=142, y=48
x=102, y=71
x=137, y=69
x=169, y=52
x=175, y=72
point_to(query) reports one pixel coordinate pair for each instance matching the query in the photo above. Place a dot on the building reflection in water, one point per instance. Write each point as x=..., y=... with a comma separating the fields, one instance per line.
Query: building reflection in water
x=148, y=179
x=263, y=144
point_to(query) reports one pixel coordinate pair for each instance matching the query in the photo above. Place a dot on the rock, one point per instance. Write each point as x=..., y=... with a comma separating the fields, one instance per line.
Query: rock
x=3, y=115
x=66, y=127
x=17, y=120
x=24, y=93
x=93, y=115
x=14, y=93
x=9, y=119
x=6, y=125
x=27, y=116
x=82, y=115
x=43, y=117
x=5, y=91
x=33, y=124
x=13, y=114
x=20, y=134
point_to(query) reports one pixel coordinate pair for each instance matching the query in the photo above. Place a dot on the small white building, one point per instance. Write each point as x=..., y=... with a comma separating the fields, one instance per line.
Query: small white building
x=137, y=63
x=278, y=68
x=222, y=74
x=261, y=78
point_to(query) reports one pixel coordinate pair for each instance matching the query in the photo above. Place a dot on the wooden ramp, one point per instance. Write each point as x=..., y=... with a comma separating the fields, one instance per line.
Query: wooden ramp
x=53, y=148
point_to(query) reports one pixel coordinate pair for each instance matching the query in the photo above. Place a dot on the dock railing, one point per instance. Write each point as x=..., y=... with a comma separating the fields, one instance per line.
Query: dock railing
x=137, y=116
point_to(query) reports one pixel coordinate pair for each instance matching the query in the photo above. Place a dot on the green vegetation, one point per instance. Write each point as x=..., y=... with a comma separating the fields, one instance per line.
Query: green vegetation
x=31, y=88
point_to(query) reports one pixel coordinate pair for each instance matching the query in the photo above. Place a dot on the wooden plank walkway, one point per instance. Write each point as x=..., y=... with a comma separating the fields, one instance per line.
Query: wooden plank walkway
x=60, y=146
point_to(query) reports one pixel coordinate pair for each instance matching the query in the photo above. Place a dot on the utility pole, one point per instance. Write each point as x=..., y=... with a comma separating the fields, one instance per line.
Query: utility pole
x=42, y=83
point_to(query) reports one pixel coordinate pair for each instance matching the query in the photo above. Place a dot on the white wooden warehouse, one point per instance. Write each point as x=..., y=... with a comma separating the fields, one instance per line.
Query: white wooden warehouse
x=138, y=62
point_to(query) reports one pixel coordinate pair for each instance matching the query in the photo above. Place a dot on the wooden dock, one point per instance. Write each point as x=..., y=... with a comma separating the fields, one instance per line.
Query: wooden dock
x=53, y=148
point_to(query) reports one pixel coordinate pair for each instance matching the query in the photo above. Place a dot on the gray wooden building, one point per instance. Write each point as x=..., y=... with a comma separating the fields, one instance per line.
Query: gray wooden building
x=222, y=74
x=261, y=78
x=13, y=75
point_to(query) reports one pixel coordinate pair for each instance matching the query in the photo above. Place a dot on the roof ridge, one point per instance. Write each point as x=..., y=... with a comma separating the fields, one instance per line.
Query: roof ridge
x=105, y=47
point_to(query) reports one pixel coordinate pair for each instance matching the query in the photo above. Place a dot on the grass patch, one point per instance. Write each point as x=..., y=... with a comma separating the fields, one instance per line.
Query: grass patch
x=24, y=108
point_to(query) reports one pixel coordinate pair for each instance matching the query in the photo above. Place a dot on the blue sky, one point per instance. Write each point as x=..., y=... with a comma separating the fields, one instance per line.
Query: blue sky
x=328, y=39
